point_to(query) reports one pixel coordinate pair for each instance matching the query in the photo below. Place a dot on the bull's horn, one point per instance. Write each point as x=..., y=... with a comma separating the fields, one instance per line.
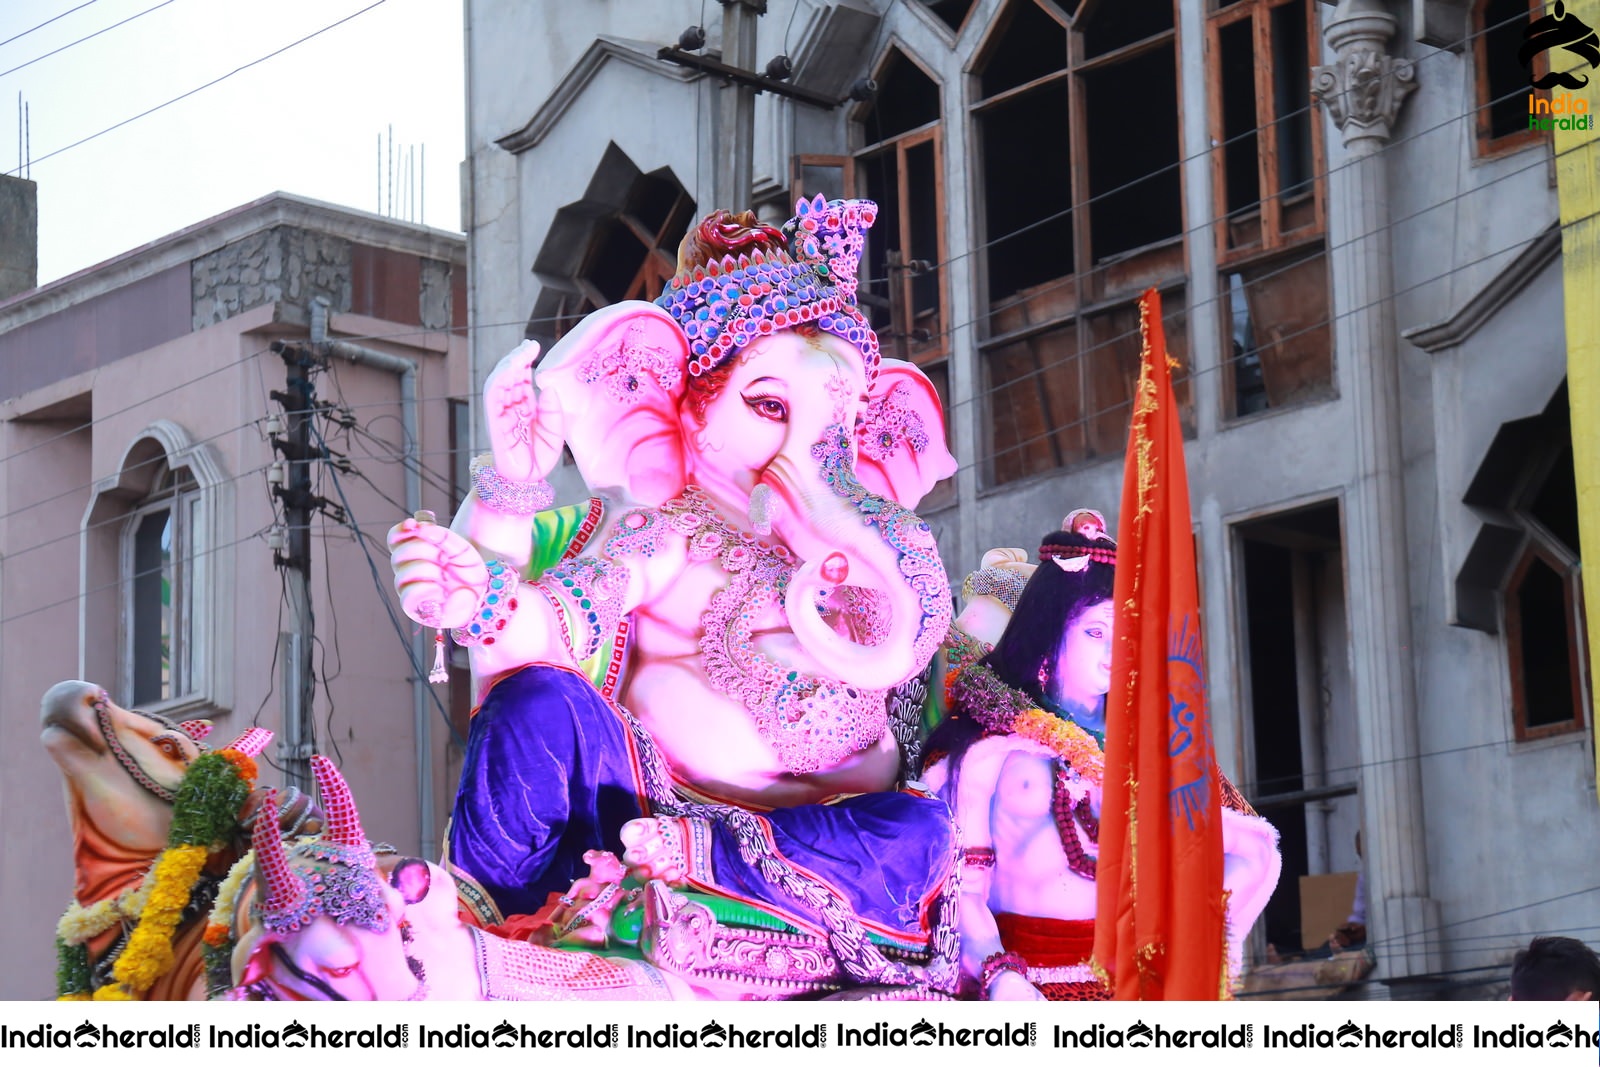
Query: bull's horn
x=341, y=823
x=252, y=742
x=285, y=892
x=197, y=729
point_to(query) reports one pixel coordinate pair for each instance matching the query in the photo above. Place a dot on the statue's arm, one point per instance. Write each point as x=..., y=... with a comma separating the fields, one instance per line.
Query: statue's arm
x=1251, y=866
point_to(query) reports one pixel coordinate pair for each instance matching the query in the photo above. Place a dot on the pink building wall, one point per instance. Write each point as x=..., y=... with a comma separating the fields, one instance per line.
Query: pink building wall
x=84, y=404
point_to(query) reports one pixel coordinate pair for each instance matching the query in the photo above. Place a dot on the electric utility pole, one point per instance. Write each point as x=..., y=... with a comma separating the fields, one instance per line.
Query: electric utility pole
x=292, y=485
x=737, y=120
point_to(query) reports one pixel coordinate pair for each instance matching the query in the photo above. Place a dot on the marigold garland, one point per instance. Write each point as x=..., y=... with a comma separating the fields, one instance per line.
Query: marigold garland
x=79, y=924
x=1000, y=709
x=1066, y=739
x=205, y=817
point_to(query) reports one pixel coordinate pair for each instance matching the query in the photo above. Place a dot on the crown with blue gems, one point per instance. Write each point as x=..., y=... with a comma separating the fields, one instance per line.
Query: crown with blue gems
x=729, y=301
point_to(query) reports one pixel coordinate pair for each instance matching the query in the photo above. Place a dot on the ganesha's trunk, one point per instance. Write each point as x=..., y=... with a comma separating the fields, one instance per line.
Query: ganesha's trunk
x=894, y=547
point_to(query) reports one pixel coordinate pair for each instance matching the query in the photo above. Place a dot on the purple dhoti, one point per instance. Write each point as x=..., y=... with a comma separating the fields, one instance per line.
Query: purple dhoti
x=552, y=770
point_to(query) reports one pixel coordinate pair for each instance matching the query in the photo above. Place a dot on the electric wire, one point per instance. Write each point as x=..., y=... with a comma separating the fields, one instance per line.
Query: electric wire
x=183, y=96
x=81, y=40
x=388, y=606
x=46, y=22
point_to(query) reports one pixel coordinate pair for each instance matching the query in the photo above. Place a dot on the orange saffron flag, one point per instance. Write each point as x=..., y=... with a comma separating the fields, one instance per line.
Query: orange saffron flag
x=1161, y=918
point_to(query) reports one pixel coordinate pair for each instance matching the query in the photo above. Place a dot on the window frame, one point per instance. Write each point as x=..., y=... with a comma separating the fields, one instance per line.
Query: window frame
x=1093, y=288
x=1272, y=238
x=1537, y=550
x=935, y=353
x=116, y=504
x=1485, y=144
x=180, y=500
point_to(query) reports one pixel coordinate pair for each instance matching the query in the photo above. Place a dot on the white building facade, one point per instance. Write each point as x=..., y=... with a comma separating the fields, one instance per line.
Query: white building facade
x=1356, y=241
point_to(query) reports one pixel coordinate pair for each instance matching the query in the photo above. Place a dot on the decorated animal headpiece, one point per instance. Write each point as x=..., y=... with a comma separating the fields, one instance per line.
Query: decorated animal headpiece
x=739, y=280
x=332, y=874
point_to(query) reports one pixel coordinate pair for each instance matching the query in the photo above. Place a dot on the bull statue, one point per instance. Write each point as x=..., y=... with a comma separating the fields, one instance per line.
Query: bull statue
x=134, y=927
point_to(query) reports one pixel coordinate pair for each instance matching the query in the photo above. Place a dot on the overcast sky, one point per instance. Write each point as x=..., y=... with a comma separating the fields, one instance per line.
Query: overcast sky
x=305, y=121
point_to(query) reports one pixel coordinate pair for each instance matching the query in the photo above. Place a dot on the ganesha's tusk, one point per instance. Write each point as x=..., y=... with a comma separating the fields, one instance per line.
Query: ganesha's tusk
x=763, y=506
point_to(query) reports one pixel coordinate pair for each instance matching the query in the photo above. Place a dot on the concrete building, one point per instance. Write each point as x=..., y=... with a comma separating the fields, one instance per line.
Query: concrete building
x=1363, y=288
x=138, y=527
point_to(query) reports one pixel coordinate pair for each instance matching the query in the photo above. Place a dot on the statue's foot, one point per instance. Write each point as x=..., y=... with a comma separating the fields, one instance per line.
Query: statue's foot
x=655, y=850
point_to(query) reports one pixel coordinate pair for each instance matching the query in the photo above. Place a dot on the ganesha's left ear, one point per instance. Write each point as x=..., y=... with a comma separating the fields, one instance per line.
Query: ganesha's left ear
x=900, y=440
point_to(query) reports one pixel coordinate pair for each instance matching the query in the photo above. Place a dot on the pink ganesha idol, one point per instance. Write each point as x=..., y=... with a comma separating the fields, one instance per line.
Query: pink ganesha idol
x=698, y=665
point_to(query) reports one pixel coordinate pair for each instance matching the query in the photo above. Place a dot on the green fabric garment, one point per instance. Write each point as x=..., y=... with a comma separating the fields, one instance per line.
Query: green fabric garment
x=553, y=533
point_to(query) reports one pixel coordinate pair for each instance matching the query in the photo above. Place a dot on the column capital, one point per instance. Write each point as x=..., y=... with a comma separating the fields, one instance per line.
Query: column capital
x=1365, y=86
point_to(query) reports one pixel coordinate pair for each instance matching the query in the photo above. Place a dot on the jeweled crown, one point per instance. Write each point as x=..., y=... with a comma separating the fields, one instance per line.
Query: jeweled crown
x=724, y=304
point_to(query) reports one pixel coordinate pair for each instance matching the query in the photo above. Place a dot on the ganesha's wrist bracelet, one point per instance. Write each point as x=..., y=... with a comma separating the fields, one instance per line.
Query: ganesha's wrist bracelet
x=494, y=610
x=998, y=962
x=499, y=493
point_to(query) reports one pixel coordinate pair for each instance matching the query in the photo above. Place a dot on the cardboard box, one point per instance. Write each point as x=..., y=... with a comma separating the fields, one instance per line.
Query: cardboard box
x=1326, y=901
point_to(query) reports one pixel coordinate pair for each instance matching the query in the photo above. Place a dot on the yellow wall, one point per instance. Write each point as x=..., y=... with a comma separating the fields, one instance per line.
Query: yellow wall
x=1578, y=178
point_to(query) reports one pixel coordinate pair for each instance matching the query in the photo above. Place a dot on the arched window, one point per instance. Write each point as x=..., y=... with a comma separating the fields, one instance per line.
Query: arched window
x=1543, y=631
x=157, y=564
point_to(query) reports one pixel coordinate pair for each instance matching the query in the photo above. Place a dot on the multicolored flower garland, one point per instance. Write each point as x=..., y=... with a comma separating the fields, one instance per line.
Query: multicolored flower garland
x=1000, y=709
x=205, y=819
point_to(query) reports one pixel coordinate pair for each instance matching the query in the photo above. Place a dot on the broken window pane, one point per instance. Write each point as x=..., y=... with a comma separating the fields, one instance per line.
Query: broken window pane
x=828, y=179
x=1544, y=638
x=1134, y=185
x=1280, y=344
x=879, y=177
x=1111, y=366
x=922, y=195
x=1032, y=45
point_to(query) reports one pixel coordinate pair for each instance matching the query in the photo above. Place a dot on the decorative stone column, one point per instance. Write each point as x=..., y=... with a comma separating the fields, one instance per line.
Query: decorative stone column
x=1362, y=92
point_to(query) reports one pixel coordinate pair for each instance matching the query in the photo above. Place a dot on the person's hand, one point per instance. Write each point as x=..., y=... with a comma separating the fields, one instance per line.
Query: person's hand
x=524, y=426
x=441, y=578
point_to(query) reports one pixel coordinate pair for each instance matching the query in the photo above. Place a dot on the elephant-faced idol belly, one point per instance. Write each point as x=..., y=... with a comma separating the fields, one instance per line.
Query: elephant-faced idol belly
x=713, y=744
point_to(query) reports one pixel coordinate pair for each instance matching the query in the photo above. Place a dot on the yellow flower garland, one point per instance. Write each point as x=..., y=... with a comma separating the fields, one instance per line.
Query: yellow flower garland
x=148, y=954
x=78, y=924
x=228, y=894
x=1066, y=739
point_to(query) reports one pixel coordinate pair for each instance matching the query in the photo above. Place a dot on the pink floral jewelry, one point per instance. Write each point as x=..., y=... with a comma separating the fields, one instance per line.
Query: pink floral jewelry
x=499, y=493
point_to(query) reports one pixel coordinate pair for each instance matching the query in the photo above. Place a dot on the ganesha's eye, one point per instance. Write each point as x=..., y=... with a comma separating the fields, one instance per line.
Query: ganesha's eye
x=169, y=745
x=768, y=407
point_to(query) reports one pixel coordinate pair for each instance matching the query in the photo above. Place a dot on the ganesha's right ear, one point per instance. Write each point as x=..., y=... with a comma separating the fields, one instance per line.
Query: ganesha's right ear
x=618, y=377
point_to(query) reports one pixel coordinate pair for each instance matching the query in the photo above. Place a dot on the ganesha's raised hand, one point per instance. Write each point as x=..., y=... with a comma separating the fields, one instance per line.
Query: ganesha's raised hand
x=524, y=425
x=439, y=575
